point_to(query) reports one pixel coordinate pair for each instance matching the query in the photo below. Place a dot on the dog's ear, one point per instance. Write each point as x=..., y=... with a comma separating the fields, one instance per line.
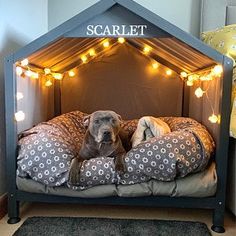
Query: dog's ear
x=119, y=117
x=86, y=121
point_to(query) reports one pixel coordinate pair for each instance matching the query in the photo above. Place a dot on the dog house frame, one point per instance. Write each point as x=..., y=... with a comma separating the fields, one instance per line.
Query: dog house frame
x=77, y=26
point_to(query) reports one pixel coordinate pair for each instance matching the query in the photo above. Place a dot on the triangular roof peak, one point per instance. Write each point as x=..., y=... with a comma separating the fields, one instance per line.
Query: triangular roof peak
x=130, y=9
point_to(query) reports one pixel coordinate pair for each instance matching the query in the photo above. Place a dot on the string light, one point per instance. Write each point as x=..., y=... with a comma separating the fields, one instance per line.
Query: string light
x=34, y=75
x=168, y=72
x=47, y=71
x=106, y=44
x=199, y=92
x=189, y=83
x=121, y=40
x=84, y=58
x=48, y=83
x=24, y=62
x=146, y=49
x=155, y=65
x=19, y=116
x=19, y=95
x=217, y=70
x=71, y=73
x=57, y=76
x=29, y=73
x=92, y=52
x=213, y=118
x=183, y=74
x=19, y=71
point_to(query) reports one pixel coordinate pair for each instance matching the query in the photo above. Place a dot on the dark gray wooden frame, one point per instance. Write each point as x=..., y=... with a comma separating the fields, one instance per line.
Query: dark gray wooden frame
x=216, y=203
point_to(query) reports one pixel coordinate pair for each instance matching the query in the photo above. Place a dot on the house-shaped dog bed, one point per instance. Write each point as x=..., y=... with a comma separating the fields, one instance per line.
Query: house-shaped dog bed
x=119, y=56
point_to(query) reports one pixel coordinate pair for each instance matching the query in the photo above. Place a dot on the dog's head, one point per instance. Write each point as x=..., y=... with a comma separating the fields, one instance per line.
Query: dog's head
x=104, y=126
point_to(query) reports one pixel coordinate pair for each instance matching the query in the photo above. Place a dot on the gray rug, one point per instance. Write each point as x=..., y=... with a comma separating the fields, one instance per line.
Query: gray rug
x=76, y=226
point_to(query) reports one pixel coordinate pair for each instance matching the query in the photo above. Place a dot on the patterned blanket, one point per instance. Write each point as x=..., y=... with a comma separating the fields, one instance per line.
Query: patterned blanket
x=45, y=152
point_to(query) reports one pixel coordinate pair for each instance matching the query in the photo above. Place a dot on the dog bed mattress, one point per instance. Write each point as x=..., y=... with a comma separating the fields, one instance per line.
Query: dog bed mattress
x=202, y=184
x=46, y=150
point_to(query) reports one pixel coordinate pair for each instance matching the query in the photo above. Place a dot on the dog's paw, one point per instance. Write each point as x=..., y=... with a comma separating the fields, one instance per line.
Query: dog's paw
x=74, y=172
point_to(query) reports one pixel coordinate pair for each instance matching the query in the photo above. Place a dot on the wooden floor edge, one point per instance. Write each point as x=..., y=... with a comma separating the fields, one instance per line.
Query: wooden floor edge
x=3, y=205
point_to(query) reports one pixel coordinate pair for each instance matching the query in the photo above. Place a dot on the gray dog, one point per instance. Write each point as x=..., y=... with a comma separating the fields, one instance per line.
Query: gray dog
x=102, y=138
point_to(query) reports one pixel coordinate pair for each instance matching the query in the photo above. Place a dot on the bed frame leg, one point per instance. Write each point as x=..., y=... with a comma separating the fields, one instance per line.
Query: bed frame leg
x=13, y=210
x=218, y=220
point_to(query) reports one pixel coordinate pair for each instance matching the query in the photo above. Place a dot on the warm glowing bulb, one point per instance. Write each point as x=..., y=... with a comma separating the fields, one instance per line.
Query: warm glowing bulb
x=84, y=59
x=47, y=71
x=35, y=75
x=19, y=116
x=189, y=83
x=92, y=52
x=58, y=76
x=71, y=73
x=168, y=72
x=29, y=73
x=48, y=83
x=19, y=70
x=183, y=74
x=146, y=49
x=24, y=62
x=217, y=70
x=154, y=65
x=199, y=92
x=106, y=44
x=213, y=118
x=19, y=95
x=121, y=40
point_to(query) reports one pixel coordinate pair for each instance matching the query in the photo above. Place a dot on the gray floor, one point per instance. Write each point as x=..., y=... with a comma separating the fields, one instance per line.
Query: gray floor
x=40, y=209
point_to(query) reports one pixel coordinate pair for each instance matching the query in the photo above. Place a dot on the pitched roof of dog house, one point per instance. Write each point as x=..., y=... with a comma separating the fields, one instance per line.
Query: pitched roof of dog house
x=60, y=47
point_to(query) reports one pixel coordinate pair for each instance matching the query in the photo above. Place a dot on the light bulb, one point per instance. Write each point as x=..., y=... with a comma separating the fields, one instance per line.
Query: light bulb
x=199, y=92
x=19, y=116
x=106, y=44
x=121, y=40
x=84, y=59
x=58, y=76
x=213, y=118
x=19, y=95
x=71, y=73
x=92, y=52
x=189, y=83
x=155, y=65
x=29, y=73
x=48, y=83
x=168, y=72
x=183, y=74
x=35, y=75
x=24, y=62
x=19, y=70
x=217, y=70
x=146, y=50
x=47, y=71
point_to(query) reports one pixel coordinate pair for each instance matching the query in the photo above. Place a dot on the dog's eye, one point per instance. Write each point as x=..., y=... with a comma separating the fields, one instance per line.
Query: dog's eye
x=96, y=122
x=113, y=121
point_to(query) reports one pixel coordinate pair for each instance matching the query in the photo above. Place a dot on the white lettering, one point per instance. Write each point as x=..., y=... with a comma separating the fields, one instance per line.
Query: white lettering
x=142, y=27
x=116, y=30
x=107, y=31
x=90, y=29
x=95, y=29
x=133, y=30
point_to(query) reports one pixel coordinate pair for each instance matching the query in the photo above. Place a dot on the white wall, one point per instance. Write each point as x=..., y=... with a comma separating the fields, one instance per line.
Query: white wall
x=20, y=23
x=183, y=13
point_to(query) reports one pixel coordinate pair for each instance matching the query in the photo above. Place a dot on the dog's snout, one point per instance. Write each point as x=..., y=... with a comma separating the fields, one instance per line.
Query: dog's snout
x=107, y=133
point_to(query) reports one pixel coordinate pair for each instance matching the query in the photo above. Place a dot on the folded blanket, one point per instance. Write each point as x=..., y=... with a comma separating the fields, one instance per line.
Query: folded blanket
x=149, y=127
